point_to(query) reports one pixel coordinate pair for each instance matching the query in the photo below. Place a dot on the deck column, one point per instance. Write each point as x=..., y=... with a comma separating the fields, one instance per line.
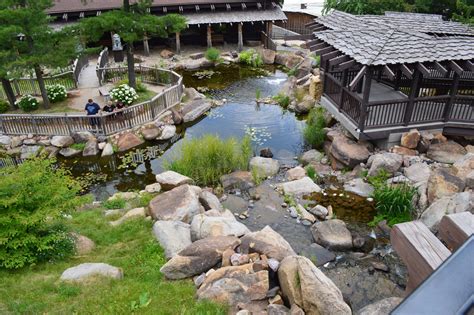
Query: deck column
x=146, y=47
x=240, y=42
x=452, y=96
x=365, y=99
x=413, y=94
x=178, y=43
x=209, y=36
x=397, y=79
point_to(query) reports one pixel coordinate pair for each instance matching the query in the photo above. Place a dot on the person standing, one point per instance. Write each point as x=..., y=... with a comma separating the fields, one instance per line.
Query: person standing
x=92, y=109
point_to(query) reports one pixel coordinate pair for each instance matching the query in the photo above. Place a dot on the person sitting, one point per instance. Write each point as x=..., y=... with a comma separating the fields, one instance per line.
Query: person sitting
x=92, y=109
x=109, y=108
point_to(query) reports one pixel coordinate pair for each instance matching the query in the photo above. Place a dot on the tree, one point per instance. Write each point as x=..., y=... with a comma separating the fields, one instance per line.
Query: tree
x=32, y=40
x=132, y=23
x=6, y=57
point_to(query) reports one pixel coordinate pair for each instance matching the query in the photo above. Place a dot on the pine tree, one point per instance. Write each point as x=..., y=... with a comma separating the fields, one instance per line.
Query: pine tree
x=132, y=22
x=36, y=44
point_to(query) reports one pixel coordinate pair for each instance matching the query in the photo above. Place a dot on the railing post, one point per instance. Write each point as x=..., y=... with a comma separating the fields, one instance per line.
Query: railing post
x=452, y=97
x=365, y=99
x=66, y=119
x=413, y=95
x=34, y=124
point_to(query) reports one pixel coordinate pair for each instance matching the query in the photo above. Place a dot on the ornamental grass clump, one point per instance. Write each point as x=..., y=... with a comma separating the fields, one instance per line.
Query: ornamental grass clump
x=56, y=93
x=207, y=158
x=28, y=103
x=213, y=54
x=124, y=93
x=34, y=198
x=314, y=133
x=251, y=57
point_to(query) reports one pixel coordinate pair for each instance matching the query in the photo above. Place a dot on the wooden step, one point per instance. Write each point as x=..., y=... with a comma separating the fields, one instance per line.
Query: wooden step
x=419, y=249
x=455, y=229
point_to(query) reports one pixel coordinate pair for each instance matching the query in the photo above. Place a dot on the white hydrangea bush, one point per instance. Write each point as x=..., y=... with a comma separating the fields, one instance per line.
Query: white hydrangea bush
x=124, y=93
x=56, y=93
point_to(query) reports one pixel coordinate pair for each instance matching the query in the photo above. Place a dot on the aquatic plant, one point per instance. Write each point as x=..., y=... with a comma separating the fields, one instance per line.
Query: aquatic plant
x=251, y=57
x=258, y=94
x=204, y=74
x=282, y=100
x=314, y=133
x=257, y=135
x=78, y=146
x=213, y=54
x=207, y=158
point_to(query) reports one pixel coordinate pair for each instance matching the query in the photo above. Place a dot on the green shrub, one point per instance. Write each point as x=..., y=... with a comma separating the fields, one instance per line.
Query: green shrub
x=56, y=93
x=292, y=72
x=251, y=57
x=282, y=100
x=117, y=203
x=4, y=106
x=28, y=103
x=207, y=158
x=257, y=177
x=33, y=199
x=314, y=133
x=78, y=146
x=311, y=172
x=317, y=59
x=213, y=54
x=258, y=94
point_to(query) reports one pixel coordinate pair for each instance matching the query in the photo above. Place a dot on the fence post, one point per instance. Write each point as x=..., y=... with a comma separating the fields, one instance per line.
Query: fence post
x=34, y=124
x=66, y=121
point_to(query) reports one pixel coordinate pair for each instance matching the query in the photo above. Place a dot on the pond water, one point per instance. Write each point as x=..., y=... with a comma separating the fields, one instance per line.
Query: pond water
x=275, y=128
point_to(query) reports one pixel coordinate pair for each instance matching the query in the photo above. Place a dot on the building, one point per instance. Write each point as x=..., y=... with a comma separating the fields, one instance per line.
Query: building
x=386, y=74
x=210, y=22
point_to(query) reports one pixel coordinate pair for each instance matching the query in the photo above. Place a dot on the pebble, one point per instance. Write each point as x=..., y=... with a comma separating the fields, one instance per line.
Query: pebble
x=370, y=199
x=242, y=217
x=273, y=264
x=284, y=205
x=380, y=266
x=306, y=223
x=273, y=292
x=199, y=280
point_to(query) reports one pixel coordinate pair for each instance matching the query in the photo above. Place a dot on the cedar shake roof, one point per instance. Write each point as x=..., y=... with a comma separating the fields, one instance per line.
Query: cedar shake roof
x=234, y=16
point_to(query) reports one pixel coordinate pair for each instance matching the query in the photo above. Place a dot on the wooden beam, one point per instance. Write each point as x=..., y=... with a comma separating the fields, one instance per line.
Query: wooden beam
x=455, y=67
x=347, y=65
x=365, y=98
x=330, y=55
x=318, y=29
x=456, y=228
x=323, y=51
x=389, y=72
x=357, y=78
x=406, y=71
x=318, y=46
x=338, y=60
x=311, y=24
x=440, y=68
x=470, y=65
x=314, y=42
x=415, y=89
x=424, y=71
x=452, y=96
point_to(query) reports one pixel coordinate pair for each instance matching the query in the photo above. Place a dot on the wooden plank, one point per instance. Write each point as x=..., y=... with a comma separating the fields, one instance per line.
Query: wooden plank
x=455, y=229
x=455, y=67
x=389, y=72
x=346, y=65
x=318, y=46
x=419, y=249
x=440, y=68
x=357, y=78
x=338, y=60
x=406, y=71
x=425, y=71
x=323, y=51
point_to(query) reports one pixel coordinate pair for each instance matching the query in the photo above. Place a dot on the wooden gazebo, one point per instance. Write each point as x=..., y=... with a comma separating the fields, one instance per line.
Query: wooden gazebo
x=384, y=75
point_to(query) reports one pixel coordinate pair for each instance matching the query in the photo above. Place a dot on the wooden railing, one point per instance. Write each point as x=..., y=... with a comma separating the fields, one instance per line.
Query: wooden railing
x=103, y=124
x=102, y=62
x=268, y=43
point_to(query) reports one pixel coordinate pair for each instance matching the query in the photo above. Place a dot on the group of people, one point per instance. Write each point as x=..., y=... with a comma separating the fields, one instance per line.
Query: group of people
x=93, y=109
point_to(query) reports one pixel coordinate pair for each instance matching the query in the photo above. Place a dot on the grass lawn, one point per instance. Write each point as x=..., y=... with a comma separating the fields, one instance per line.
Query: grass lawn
x=130, y=246
x=60, y=107
x=144, y=96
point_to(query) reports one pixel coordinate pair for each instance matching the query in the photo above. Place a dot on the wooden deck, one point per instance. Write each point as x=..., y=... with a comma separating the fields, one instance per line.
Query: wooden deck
x=380, y=92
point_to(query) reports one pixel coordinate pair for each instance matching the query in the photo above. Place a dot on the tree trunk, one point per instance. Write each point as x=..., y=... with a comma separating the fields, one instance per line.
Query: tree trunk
x=126, y=5
x=132, y=81
x=7, y=87
x=39, y=77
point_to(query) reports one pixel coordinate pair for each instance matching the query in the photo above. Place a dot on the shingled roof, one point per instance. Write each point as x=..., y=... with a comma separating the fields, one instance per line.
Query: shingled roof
x=275, y=14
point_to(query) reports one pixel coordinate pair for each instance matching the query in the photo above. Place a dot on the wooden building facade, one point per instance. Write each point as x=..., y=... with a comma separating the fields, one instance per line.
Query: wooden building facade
x=387, y=74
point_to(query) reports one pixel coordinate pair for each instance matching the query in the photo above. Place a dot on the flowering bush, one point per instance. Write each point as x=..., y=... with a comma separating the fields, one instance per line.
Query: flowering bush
x=56, y=93
x=124, y=93
x=27, y=103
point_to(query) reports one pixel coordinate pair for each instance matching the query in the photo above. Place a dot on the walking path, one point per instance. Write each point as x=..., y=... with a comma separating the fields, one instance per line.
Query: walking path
x=88, y=87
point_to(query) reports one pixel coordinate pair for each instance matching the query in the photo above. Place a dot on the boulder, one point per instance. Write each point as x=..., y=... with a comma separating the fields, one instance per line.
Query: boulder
x=108, y=150
x=311, y=156
x=173, y=236
x=277, y=309
x=5, y=140
x=208, y=224
x=134, y=213
x=268, y=56
x=382, y=307
x=403, y=151
x=91, y=148
x=82, y=136
x=305, y=105
x=359, y=187
x=170, y=179
x=166, y=54
x=315, y=87
x=418, y=172
x=470, y=180
x=62, y=141
x=31, y=151
x=446, y=152
x=293, y=60
x=210, y=201
x=198, y=257
x=237, y=180
x=197, y=55
x=304, y=214
x=235, y=284
x=69, y=152
x=332, y=234
x=410, y=139
x=266, y=153
x=264, y=166
x=349, y=152
x=167, y=132
x=193, y=94
x=464, y=166
x=266, y=242
x=128, y=140
x=320, y=211
x=442, y=183
x=303, y=284
x=83, y=244
x=195, y=109
x=390, y=162
x=86, y=270
x=178, y=204
x=469, y=148
x=153, y=188
x=302, y=186
x=150, y=133
x=318, y=254
x=295, y=173
x=459, y=202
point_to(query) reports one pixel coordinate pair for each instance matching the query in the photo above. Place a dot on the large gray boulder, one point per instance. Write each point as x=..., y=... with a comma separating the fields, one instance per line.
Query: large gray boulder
x=359, y=187
x=349, y=152
x=198, y=257
x=464, y=166
x=410, y=139
x=295, y=173
x=128, y=140
x=303, y=284
x=178, y=204
x=170, y=179
x=311, y=156
x=332, y=234
x=303, y=186
x=268, y=56
x=150, y=133
x=382, y=307
x=173, y=236
x=167, y=132
x=264, y=167
x=446, y=152
x=91, y=148
x=195, y=109
x=5, y=140
x=69, y=152
x=31, y=151
x=267, y=242
x=237, y=180
x=86, y=270
x=442, y=183
x=215, y=223
x=389, y=162
x=210, y=201
x=457, y=203
x=62, y=141
x=108, y=150
x=82, y=136
x=418, y=172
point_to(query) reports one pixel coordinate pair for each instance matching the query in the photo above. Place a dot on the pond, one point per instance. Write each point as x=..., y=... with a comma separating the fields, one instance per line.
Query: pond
x=274, y=127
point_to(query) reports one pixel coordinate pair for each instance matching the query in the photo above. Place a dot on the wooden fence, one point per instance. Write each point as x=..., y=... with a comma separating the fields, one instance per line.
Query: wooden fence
x=103, y=124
